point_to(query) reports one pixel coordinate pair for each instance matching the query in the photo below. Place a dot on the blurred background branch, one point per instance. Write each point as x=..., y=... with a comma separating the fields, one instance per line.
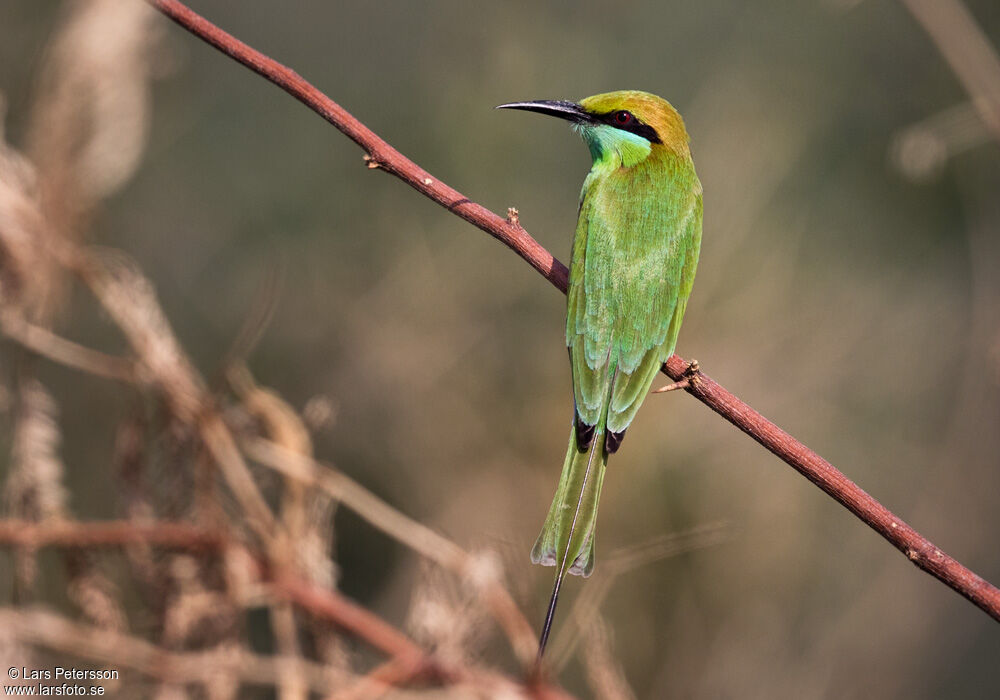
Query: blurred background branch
x=920, y=150
x=968, y=52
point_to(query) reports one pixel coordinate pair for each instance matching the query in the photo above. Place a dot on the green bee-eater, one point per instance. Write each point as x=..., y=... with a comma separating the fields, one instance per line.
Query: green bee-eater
x=634, y=258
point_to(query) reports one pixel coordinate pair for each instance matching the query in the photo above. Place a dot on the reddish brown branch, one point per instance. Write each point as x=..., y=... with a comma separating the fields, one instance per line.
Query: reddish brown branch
x=111, y=534
x=918, y=548
x=328, y=605
x=394, y=672
x=380, y=154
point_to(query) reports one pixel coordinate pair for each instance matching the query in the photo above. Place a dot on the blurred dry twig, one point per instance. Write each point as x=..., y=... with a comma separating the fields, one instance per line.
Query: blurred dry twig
x=407, y=659
x=967, y=50
x=480, y=571
x=379, y=154
x=921, y=149
x=123, y=650
x=44, y=342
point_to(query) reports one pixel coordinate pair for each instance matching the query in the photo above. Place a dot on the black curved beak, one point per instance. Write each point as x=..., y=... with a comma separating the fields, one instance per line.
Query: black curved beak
x=563, y=109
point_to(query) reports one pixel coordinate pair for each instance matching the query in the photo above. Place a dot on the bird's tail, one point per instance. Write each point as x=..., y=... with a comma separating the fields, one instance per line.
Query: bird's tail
x=567, y=538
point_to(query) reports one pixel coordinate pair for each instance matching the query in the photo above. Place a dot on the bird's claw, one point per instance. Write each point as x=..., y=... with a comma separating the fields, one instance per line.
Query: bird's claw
x=690, y=379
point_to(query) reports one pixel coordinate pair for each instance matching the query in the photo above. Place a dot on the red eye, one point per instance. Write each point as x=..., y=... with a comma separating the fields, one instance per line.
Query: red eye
x=623, y=117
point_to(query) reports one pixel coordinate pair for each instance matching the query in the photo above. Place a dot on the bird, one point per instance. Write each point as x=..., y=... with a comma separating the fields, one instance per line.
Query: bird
x=634, y=256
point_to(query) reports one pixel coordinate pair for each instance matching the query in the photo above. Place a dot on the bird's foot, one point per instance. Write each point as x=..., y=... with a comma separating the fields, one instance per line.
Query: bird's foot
x=689, y=379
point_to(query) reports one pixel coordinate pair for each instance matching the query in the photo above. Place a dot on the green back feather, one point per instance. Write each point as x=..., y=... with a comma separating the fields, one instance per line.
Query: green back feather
x=634, y=258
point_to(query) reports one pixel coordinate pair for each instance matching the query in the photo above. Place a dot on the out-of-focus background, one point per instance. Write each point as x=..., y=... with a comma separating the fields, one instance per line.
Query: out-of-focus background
x=848, y=289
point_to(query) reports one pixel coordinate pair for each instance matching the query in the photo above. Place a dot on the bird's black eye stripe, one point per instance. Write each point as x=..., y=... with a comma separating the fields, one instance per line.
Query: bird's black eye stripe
x=626, y=121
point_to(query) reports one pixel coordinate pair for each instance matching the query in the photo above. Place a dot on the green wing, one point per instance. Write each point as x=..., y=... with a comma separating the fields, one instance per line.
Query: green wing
x=630, y=387
x=590, y=376
x=634, y=259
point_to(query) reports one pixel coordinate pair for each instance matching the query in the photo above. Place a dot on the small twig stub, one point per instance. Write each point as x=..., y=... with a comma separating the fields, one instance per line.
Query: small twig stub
x=690, y=379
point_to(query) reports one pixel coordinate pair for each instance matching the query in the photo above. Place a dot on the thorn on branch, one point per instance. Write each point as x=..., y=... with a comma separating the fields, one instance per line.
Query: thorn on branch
x=370, y=161
x=690, y=379
x=512, y=217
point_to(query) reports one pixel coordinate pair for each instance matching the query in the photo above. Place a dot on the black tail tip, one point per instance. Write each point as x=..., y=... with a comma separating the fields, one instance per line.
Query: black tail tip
x=584, y=435
x=613, y=441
